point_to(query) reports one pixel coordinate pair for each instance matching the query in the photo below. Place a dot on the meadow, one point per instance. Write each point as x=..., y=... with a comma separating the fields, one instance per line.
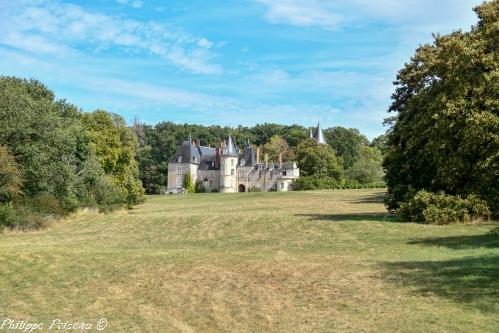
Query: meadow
x=318, y=261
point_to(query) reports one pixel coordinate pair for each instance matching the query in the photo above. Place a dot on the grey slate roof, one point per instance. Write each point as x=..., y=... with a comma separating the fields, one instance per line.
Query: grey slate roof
x=249, y=157
x=189, y=153
x=319, y=136
x=230, y=150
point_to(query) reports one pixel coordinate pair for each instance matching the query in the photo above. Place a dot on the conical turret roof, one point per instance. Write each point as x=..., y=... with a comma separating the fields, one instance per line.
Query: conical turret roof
x=319, y=136
x=231, y=150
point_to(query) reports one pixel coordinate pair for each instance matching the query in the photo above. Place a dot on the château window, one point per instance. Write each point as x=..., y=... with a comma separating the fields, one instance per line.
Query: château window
x=232, y=172
x=179, y=170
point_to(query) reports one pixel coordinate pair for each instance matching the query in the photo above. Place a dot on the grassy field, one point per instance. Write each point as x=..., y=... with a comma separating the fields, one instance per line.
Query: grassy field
x=325, y=261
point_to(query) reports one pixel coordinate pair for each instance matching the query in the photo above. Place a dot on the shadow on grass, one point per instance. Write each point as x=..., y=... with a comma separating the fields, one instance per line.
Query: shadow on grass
x=473, y=281
x=460, y=242
x=374, y=198
x=375, y=217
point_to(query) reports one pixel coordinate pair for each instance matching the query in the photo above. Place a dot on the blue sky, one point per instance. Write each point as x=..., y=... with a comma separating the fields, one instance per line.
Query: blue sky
x=225, y=62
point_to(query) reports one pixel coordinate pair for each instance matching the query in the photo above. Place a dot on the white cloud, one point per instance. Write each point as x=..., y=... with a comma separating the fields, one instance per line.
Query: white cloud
x=133, y=3
x=203, y=42
x=333, y=14
x=301, y=13
x=58, y=29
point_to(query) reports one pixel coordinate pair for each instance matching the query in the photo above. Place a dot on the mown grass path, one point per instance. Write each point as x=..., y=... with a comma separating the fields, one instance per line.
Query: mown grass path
x=325, y=261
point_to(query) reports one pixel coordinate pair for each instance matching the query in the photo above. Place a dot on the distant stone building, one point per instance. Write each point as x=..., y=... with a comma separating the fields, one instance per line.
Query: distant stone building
x=229, y=169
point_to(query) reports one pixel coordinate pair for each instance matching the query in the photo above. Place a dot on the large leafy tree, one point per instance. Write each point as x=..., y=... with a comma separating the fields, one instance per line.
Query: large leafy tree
x=277, y=146
x=368, y=166
x=45, y=137
x=318, y=160
x=445, y=133
x=346, y=142
x=116, y=146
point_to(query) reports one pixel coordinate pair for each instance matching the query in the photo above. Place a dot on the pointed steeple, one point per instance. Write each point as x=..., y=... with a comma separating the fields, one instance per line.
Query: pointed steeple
x=319, y=136
x=310, y=134
x=190, y=139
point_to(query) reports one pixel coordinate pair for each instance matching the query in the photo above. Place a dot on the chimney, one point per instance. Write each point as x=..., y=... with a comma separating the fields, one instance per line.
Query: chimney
x=217, y=158
x=257, y=155
x=280, y=161
x=266, y=160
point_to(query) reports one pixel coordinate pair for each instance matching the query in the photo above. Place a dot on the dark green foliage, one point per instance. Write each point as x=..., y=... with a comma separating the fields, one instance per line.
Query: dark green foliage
x=441, y=208
x=199, y=188
x=19, y=217
x=323, y=183
x=367, y=168
x=315, y=183
x=346, y=143
x=445, y=135
x=58, y=158
x=380, y=142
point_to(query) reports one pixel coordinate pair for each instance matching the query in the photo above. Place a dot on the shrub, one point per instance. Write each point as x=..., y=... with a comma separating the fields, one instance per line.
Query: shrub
x=254, y=189
x=108, y=195
x=315, y=183
x=199, y=188
x=188, y=183
x=441, y=208
x=18, y=218
x=45, y=204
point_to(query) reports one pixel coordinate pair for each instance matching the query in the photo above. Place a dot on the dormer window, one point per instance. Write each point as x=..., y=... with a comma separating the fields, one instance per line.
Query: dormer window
x=180, y=158
x=194, y=159
x=243, y=162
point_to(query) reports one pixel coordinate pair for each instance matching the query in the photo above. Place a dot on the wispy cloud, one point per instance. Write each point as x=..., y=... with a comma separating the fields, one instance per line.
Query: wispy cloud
x=59, y=29
x=133, y=3
x=301, y=13
x=333, y=14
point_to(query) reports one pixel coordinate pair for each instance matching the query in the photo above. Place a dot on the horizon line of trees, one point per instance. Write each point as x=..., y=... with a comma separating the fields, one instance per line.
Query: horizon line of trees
x=349, y=153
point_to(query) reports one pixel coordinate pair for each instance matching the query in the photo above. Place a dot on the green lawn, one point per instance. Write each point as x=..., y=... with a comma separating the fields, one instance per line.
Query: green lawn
x=325, y=261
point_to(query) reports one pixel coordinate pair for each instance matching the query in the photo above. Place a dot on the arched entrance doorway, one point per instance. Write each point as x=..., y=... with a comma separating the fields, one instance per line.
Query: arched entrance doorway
x=242, y=188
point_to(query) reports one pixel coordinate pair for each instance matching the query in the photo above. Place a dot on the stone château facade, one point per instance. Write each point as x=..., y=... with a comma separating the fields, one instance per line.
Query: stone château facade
x=229, y=169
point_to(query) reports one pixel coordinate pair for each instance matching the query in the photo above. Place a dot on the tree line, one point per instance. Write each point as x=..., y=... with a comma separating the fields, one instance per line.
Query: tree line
x=348, y=158
x=55, y=159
